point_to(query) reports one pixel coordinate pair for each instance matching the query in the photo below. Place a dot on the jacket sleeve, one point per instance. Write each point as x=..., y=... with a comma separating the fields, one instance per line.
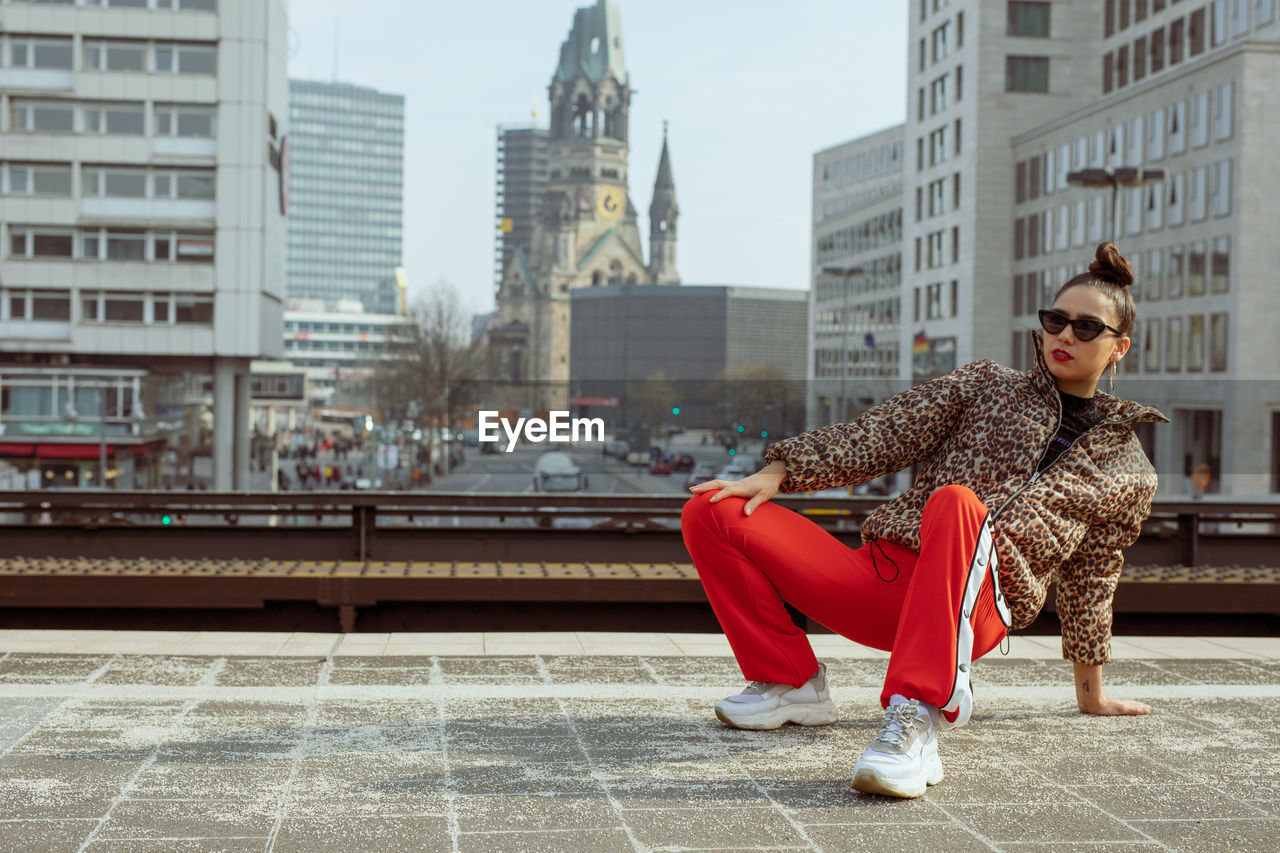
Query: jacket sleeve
x=906, y=428
x=1087, y=581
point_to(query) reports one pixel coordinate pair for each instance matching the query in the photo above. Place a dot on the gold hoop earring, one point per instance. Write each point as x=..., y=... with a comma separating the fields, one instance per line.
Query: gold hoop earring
x=1113, y=374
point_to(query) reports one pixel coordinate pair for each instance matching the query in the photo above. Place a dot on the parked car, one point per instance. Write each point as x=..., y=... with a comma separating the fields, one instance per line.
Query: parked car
x=682, y=462
x=617, y=449
x=701, y=473
x=659, y=466
x=732, y=471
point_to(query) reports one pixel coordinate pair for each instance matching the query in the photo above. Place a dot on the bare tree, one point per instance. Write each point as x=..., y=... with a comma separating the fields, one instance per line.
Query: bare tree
x=437, y=371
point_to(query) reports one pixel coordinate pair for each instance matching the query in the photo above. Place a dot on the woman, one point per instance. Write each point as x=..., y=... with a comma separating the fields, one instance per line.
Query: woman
x=1024, y=479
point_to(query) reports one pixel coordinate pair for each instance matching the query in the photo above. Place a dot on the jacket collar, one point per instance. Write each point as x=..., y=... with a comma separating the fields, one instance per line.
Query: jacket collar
x=1114, y=409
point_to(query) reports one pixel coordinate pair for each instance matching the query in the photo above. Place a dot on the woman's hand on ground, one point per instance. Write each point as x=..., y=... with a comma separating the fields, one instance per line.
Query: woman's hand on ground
x=1108, y=707
x=757, y=488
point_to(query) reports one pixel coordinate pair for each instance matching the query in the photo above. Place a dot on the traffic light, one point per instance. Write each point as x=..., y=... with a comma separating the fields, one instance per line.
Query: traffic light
x=741, y=428
x=675, y=410
x=166, y=520
x=733, y=452
x=764, y=433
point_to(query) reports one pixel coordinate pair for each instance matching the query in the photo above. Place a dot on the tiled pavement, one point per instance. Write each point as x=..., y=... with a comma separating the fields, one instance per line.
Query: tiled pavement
x=186, y=741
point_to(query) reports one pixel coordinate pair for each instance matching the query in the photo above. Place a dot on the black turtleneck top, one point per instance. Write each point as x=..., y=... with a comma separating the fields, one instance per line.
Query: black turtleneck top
x=1078, y=415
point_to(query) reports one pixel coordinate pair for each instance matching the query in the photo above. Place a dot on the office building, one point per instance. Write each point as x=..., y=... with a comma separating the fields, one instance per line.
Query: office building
x=143, y=206
x=346, y=170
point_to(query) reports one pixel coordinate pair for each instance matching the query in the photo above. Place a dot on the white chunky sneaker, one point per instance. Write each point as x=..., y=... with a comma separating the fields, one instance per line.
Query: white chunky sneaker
x=767, y=706
x=903, y=759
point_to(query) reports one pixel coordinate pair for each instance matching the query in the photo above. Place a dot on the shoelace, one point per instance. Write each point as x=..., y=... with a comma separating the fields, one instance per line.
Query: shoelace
x=899, y=722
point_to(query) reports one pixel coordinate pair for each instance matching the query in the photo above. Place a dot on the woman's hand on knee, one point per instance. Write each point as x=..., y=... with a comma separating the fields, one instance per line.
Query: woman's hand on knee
x=758, y=488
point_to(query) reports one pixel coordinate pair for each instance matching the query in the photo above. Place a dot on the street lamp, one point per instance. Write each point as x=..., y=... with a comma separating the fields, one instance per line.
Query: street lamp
x=1125, y=176
x=845, y=273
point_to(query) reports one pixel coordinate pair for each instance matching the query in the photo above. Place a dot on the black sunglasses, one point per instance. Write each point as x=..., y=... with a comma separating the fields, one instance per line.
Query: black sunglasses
x=1085, y=328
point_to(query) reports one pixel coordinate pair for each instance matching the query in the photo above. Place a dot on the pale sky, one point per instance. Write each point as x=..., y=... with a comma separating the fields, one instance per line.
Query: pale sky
x=751, y=88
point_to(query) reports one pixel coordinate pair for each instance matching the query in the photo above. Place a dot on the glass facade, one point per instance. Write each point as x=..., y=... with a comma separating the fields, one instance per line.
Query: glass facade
x=346, y=192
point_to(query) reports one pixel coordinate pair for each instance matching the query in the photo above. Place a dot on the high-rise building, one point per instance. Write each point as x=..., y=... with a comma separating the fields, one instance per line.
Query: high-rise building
x=346, y=182
x=1025, y=120
x=521, y=176
x=854, y=320
x=143, y=209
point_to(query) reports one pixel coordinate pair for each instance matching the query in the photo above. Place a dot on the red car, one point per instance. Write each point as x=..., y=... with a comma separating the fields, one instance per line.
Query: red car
x=660, y=466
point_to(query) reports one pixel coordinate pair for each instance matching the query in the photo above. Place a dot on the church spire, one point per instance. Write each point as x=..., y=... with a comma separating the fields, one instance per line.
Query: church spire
x=663, y=213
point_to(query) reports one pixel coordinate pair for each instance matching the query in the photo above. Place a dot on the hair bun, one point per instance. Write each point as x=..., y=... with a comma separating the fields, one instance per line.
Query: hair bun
x=1110, y=265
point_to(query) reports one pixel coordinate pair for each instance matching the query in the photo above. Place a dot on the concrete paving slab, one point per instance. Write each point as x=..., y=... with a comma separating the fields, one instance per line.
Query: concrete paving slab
x=608, y=751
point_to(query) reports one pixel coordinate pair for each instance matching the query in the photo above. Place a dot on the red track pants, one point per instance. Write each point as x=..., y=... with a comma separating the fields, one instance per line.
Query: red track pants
x=904, y=603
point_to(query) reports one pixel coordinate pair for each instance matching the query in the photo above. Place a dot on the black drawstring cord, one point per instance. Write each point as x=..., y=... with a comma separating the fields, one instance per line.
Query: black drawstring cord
x=1005, y=645
x=896, y=570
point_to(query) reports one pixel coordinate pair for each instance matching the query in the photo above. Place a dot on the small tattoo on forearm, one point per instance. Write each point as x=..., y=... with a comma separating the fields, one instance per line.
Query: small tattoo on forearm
x=1086, y=685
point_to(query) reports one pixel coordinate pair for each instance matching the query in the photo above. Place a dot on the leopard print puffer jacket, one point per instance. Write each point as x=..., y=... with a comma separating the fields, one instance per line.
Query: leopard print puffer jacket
x=986, y=427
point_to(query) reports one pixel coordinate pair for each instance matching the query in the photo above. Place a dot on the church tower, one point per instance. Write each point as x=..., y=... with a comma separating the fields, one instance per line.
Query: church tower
x=585, y=232
x=663, y=213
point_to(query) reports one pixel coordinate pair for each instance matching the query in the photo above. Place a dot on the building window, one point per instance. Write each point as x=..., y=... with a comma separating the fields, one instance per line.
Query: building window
x=1108, y=72
x=1221, y=188
x=1223, y=111
x=1155, y=207
x=959, y=82
x=1124, y=14
x=1139, y=59
x=102, y=55
x=1195, y=342
x=1122, y=66
x=935, y=254
x=1151, y=346
x=1176, y=33
x=45, y=53
x=1196, y=34
x=960, y=29
x=1218, y=342
x=1019, y=181
x=1199, y=119
x=42, y=116
x=1263, y=12
x=186, y=120
x=1109, y=18
x=1033, y=235
x=1078, y=223
x=1019, y=230
x=123, y=307
x=1219, y=22
x=955, y=191
x=933, y=301
x=939, y=97
x=1139, y=10
x=1197, y=199
x=1157, y=127
x=1026, y=74
x=113, y=182
x=35, y=242
x=193, y=310
x=1221, y=281
x=955, y=246
x=920, y=104
x=957, y=137
x=1177, y=272
x=43, y=179
x=186, y=59
x=1157, y=49
x=1028, y=19
x=122, y=118
x=1153, y=283
x=1197, y=269
x=1172, y=344
x=940, y=47
x=938, y=146
x=1178, y=127
x=936, y=200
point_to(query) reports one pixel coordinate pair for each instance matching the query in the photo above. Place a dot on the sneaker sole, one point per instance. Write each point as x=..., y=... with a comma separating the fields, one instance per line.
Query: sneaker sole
x=867, y=780
x=820, y=714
